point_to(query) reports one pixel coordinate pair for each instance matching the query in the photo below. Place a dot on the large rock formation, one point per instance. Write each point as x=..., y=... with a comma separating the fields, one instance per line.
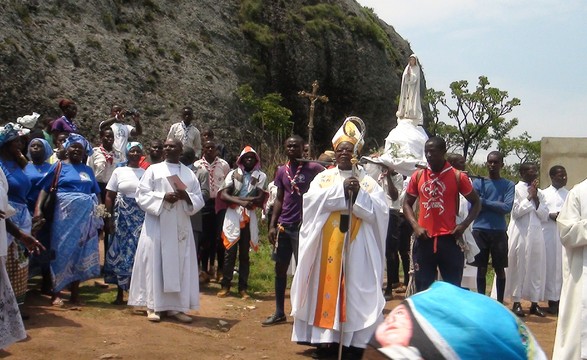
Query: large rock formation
x=159, y=55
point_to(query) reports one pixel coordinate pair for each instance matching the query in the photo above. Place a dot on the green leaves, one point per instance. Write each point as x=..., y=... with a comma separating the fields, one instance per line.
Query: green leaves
x=479, y=115
x=521, y=147
x=267, y=113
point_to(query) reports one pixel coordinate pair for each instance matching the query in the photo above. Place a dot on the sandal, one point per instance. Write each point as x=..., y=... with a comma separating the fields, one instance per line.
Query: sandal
x=58, y=302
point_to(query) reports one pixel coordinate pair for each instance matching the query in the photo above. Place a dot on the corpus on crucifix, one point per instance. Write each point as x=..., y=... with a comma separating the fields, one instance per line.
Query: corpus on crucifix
x=313, y=96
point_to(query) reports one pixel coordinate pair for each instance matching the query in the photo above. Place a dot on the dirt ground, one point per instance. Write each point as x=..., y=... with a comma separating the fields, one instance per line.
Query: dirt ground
x=228, y=328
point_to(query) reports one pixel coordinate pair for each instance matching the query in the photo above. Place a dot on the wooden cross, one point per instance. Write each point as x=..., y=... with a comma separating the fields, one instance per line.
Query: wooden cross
x=312, y=97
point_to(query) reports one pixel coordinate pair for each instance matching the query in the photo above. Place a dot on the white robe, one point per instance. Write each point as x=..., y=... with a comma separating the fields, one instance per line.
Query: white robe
x=165, y=271
x=404, y=148
x=571, y=332
x=469, y=280
x=554, y=270
x=526, y=271
x=366, y=259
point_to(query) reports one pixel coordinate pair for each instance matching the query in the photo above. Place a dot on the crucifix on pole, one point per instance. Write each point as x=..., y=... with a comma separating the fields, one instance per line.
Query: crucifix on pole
x=313, y=96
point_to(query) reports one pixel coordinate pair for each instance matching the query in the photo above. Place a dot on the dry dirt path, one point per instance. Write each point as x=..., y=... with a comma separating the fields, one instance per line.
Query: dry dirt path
x=227, y=328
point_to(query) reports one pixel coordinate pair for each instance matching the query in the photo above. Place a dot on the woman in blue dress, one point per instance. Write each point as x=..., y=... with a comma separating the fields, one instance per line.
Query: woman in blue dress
x=39, y=152
x=126, y=222
x=13, y=162
x=74, y=231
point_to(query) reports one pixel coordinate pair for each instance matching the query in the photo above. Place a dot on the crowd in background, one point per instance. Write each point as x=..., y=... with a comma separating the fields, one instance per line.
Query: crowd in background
x=68, y=194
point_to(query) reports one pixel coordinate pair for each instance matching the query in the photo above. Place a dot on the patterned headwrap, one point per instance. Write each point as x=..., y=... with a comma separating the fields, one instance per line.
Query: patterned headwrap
x=10, y=132
x=447, y=322
x=48, y=149
x=77, y=138
x=132, y=144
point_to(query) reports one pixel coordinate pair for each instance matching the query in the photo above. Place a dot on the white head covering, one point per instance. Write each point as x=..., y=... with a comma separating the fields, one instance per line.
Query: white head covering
x=28, y=121
x=350, y=132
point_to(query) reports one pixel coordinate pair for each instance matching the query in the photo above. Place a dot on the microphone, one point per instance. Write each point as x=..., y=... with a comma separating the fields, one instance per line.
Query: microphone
x=344, y=222
x=345, y=216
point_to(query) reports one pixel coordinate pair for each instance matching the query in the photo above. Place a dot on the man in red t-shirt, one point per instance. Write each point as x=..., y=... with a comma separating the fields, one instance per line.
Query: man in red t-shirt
x=436, y=231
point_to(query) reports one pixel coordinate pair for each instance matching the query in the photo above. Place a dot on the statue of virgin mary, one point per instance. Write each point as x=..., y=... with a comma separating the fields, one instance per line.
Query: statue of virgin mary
x=410, y=106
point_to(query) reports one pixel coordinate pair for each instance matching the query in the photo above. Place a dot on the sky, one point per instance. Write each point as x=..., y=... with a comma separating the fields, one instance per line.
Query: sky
x=536, y=50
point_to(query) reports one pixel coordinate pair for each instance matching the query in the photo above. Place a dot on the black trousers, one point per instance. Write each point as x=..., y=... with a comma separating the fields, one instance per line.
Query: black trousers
x=242, y=246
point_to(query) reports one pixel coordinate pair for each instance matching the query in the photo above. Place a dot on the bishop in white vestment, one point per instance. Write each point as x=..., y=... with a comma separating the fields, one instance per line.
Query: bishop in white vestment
x=328, y=292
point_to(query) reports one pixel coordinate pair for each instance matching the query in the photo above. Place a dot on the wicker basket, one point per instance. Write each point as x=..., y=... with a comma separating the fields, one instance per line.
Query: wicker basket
x=17, y=267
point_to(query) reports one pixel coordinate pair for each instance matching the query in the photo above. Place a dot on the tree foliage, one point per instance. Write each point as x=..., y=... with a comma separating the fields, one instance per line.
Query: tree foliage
x=479, y=116
x=522, y=147
x=267, y=115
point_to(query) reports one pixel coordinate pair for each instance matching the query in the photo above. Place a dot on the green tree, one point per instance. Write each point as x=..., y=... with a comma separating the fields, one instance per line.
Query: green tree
x=479, y=116
x=522, y=147
x=268, y=115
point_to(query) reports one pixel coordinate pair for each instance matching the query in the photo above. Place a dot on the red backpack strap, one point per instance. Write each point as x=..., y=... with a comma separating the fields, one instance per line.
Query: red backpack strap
x=419, y=174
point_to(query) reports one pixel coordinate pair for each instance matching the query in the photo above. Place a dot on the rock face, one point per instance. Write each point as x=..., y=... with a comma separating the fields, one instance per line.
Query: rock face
x=160, y=55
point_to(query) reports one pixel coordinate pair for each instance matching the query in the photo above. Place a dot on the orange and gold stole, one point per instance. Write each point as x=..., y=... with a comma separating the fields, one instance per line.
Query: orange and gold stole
x=331, y=285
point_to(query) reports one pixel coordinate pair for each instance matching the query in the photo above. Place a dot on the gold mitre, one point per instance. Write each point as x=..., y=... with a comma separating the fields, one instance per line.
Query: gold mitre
x=349, y=131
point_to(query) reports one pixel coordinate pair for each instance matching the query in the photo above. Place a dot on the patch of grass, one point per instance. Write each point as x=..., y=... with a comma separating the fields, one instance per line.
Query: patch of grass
x=152, y=5
x=149, y=16
x=152, y=79
x=370, y=27
x=251, y=10
x=22, y=11
x=176, y=56
x=322, y=18
x=192, y=45
x=252, y=26
x=262, y=274
x=93, y=43
x=51, y=58
x=205, y=36
x=323, y=11
x=123, y=27
x=260, y=33
x=317, y=27
x=97, y=296
x=131, y=50
x=108, y=21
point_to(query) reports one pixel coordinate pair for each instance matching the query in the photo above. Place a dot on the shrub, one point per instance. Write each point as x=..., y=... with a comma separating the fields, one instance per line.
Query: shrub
x=262, y=34
x=131, y=50
x=93, y=43
x=176, y=56
x=51, y=58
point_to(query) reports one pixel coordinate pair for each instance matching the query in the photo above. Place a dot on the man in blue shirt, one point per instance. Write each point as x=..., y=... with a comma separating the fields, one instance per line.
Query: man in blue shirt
x=489, y=229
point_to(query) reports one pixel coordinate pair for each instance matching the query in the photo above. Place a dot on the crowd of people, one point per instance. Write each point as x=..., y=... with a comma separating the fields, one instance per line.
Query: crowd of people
x=176, y=214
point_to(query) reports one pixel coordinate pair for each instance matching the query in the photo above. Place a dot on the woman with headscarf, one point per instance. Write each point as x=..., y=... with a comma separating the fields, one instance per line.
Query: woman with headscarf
x=39, y=152
x=126, y=222
x=65, y=123
x=11, y=326
x=74, y=231
x=12, y=162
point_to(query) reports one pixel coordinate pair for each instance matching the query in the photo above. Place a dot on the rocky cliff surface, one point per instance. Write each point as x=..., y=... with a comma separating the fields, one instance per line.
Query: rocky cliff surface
x=160, y=55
